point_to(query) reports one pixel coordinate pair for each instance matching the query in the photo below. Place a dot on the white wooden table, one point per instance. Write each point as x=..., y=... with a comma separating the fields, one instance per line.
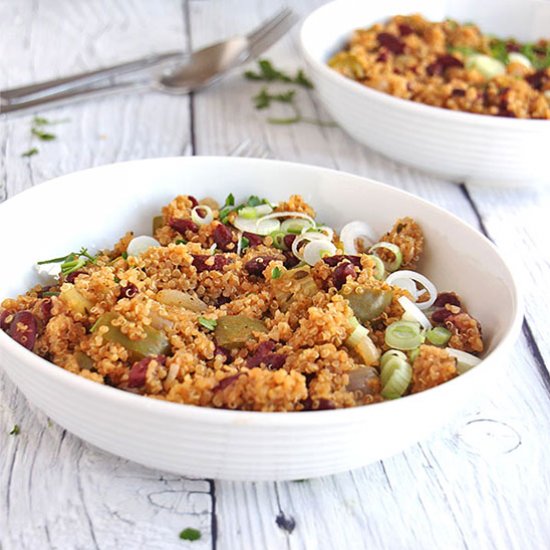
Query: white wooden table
x=483, y=482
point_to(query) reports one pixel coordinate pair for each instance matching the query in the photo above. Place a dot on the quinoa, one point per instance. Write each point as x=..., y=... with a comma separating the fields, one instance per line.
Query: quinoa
x=450, y=65
x=217, y=317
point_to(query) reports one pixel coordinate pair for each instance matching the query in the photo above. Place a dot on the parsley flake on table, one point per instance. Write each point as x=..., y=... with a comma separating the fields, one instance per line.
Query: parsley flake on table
x=268, y=73
x=190, y=534
x=16, y=430
x=32, y=151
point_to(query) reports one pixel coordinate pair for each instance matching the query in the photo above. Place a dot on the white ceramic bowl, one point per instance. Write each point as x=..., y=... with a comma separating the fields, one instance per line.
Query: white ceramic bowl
x=96, y=206
x=459, y=146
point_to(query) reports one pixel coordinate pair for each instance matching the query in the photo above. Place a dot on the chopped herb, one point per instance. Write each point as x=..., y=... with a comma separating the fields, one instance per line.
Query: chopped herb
x=254, y=200
x=276, y=272
x=117, y=280
x=228, y=207
x=42, y=135
x=464, y=50
x=124, y=255
x=16, y=430
x=268, y=73
x=72, y=262
x=50, y=293
x=209, y=324
x=244, y=243
x=190, y=534
x=181, y=241
x=32, y=151
x=264, y=99
x=40, y=121
x=499, y=50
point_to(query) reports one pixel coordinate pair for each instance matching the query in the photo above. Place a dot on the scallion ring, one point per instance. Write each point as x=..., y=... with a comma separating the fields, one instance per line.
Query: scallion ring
x=394, y=249
x=297, y=225
x=324, y=230
x=404, y=335
x=379, y=269
x=419, y=278
x=317, y=249
x=278, y=239
x=140, y=244
x=357, y=237
x=395, y=378
x=248, y=212
x=307, y=237
x=202, y=214
x=438, y=336
x=389, y=354
x=413, y=313
x=259, y=226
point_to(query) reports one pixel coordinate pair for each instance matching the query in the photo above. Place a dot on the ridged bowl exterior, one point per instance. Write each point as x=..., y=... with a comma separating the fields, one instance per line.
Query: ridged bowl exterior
x=459, y=146
x=234, y=444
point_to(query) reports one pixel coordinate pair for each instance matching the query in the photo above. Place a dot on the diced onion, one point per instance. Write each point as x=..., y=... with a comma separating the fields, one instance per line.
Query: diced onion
x=464, y=361
x=317, y=249
x=419, y=278
x=395, y=378
x=404, y=335
x=413, y=313
x=296, y=225
x=239, y=244
x=261, y=226
x=438, y=336
x=173, y=372
x=486, y=65
x=516, y=57
x=395, y=250
x=355, y=232
x=198, y=218
x=140, y=244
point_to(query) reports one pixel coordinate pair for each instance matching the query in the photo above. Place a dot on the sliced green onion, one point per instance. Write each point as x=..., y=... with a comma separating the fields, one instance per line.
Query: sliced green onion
x=379, y=269
x=259, y=226
x=404, y=335
x=248, y=212
x=394, y=249
x=355, y=233
x=296, y=225
x=464, y=361
x=198, y=218
x=395, y=378
x=360, y=342
x=389, y=354
x=278, y=239
x=398, y=278
x=413, y=354
x=413, y=313
x=516, y=57
x=140, y=244
x=486, y=65
x=438, y=336
x=323, y=230
x=317, y=249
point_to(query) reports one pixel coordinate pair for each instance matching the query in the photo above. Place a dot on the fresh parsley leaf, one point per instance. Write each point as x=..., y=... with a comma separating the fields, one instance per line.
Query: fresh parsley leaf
x=228, y=207
x=268, y=73
x=190, y=534
x=42, y=135
x=276, y=272
x=124, y=255
x=209, y=324
x=181, y=241
x=499, y=50
x=264, y=98
x=40, y=121
x=245, y=243
x=16, y=430
x=32, y=151
x=50, y=293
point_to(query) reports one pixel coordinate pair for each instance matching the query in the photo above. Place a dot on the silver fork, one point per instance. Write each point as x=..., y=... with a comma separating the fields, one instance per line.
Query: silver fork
x=203, y=68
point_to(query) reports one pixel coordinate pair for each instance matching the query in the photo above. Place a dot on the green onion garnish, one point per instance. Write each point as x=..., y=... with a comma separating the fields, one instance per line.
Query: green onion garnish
x=395, y=377
x=190, y=534
x=72, y=262
x=379, y=269
x=404, y=335
x=394, y=249
x=276, y=272
x=209, y=324
x=278, y=239
x=438, y=336
x=413, y=354
x=248, y=212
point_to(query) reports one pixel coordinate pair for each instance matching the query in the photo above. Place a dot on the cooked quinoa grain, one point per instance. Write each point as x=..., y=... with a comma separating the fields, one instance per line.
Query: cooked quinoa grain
x=450, y=65
x=220, y=315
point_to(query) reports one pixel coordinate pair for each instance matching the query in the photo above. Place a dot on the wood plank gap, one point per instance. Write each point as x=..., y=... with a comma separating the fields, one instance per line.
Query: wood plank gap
x=475, y=210
x=213, y=516
x=537, y=355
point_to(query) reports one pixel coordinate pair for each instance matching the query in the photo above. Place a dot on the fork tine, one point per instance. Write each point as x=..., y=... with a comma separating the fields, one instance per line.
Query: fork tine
x=267, y=25
x=273, y=35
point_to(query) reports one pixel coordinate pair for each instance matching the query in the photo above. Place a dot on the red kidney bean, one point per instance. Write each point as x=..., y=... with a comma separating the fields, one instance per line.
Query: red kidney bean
x=263, y=354
x=442, y=63
x=290, y=260
x=204, y=262
x=46, y=310
x=253, y=240
x=4, y=316
x=536, y=80
x=138, y=371
x=391, y=42
x=341, y=272
x=439, y=316
x=458, y=92
x=226, y=382
x=182, y=225
x=257, y=265
x=128, y=291
x=404, y=29
x=194, y=201
x=23, y=329
x=70, y=278
x=444, y=298
x=289, y=240
x=223, y=237
x=333, y=261
x=326, y=405
x=220, y=350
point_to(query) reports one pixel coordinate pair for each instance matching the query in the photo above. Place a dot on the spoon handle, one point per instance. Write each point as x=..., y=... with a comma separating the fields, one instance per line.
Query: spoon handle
x=72, y=96
x=85, y=79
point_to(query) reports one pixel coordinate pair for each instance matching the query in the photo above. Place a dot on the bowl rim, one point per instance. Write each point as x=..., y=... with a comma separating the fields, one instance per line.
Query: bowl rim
x=392, y=102
x=215, y=416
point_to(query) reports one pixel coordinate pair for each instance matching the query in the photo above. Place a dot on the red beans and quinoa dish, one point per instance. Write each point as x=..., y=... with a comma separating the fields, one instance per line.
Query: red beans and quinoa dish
x=450, y=65
x=251, y=306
